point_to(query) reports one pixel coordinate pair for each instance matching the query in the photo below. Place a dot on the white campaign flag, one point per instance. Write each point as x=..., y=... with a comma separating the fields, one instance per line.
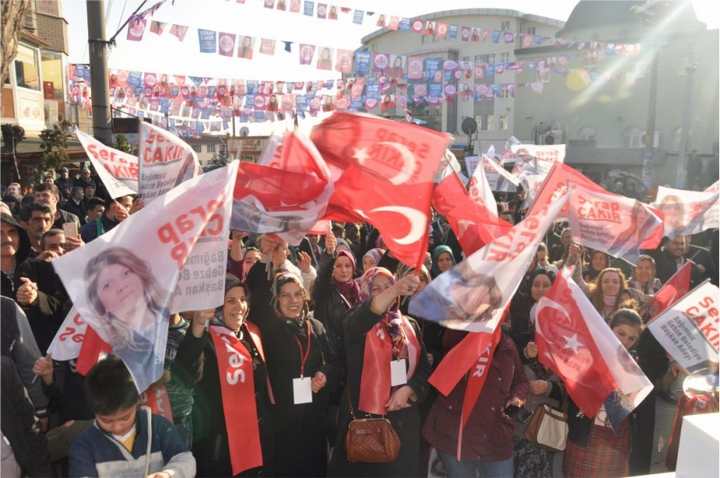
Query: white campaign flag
x=689, y=329
x=165, y=161
x=500, y=173
x=550, y=153
x=688, y=212
x=472, y=295
x=201, y=284
x=69, y=338
x=610, y=222
x=117, y=169
x=480, y=192
x=122, y=283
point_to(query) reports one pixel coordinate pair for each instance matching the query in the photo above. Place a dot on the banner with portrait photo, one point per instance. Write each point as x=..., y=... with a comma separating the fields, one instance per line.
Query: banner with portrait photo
x=117, y=169
x=473, y=294
x=611, y=223
x=690, y=330
x=688, y=212
x=122, y=283
x=165, y=161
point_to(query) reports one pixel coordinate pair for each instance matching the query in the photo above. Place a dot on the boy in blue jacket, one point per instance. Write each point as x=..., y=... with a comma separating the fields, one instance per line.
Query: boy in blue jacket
x=126, y=440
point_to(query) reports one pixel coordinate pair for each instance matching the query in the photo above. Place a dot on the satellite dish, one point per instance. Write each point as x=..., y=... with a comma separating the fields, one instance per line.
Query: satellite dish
x=469, y=126
x=244, y=131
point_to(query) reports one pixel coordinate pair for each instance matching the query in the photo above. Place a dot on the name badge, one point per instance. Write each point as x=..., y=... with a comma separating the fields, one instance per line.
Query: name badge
x=302, y=390
x=398, y=373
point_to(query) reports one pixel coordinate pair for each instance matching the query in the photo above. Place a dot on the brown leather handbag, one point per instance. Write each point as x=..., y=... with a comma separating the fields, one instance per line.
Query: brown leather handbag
x=371, y=440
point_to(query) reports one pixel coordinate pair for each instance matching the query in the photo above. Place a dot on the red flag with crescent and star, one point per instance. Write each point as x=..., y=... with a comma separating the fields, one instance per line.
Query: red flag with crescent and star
x=385, y=173
x=673, y=290
x=576, y=343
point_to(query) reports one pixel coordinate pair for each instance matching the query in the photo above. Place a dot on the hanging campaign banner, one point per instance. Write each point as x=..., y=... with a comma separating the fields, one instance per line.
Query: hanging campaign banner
x=551, y=153
x=165, y=161
x=117, y=169
x=689, y=329
x=472, y=295
x=122, y=283
x=687, y=212
x=69, y=338
x=611, y=223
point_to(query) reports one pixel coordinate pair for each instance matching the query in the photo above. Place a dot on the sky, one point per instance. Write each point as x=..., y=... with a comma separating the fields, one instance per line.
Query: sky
x=165, y=54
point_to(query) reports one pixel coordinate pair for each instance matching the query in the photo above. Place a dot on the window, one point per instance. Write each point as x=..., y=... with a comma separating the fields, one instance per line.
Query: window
x=505, y=58
x=505, y=26
x=503, y=122
x=27, y=73
x=211, y=148
x=531, y=30
x=196, y=147
x=52, y=74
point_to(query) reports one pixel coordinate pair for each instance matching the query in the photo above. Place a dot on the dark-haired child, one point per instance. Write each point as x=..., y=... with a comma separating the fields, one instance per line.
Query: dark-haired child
x=126, y=440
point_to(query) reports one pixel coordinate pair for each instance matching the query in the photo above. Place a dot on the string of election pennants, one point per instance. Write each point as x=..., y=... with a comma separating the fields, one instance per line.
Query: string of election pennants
x=438, y=30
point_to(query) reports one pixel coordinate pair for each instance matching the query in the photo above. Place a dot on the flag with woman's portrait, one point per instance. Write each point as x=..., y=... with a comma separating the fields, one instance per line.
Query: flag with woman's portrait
x=122, y=284
x=472, y=295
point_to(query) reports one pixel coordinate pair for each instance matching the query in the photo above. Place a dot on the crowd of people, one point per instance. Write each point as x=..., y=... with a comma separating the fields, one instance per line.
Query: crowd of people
x=312, y=318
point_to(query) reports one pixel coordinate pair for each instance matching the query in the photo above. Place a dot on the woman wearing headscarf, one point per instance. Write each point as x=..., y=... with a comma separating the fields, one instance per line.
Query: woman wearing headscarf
x=204, y=362
x=372, y=258
x=442, y=260
x=377, y=338
x=303, y=372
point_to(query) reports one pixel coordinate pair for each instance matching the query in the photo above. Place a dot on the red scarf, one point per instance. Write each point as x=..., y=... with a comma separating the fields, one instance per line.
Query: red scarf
x=159, y=401
x=237, y=386
x=375, y=379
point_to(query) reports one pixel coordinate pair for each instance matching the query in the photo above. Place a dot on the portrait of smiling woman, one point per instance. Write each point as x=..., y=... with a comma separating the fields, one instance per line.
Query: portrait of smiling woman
x=125, y=296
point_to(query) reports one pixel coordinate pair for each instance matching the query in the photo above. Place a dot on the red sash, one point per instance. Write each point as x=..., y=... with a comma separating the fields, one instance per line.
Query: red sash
x=375, y=379
x=237, y=386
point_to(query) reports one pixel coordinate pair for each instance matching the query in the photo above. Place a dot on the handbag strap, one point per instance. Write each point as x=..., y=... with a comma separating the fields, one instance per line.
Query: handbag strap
x=350, y=405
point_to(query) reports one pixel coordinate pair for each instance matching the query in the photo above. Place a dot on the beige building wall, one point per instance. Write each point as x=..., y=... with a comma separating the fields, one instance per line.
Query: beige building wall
x=495, y=117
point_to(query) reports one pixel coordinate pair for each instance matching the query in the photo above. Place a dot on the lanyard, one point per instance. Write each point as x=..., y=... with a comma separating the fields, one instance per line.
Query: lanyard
x=304, y=351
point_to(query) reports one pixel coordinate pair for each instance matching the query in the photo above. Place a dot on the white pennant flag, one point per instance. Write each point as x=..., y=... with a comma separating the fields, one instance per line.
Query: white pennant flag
x=122, y=283
x=689, y=330
x=69, y=338
x=688, y=212
x=165, y=161
x=480, y=192
x=610, y=222
x=117, y=169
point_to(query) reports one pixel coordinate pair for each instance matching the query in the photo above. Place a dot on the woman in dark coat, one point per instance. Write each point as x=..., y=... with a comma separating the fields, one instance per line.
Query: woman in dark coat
x=376, y=329
x=303, y=372
x=196, y=364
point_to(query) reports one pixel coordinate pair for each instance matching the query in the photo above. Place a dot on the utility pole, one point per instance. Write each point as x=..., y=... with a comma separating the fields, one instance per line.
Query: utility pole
x=102, y=129
x=686, y=118
x=649, y=159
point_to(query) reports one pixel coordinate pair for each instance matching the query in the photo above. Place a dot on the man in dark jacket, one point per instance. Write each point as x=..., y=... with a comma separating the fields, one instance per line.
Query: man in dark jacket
x=49, y=195
x=41, y=292
x=14, y=249
x=20, y=427
x=75, y=204
x=672, y=256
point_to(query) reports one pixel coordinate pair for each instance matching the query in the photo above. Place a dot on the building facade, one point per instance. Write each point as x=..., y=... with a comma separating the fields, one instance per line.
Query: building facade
x=495, y=116
x=600, y=107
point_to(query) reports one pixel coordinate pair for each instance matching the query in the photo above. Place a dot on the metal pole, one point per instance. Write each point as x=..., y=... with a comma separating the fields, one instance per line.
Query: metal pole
x=687, y=115
x=649, y=154
x=102, y=128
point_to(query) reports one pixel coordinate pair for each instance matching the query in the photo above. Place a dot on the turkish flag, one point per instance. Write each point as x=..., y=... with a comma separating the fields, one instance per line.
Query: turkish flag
x=385, y=170
x=673, y=290
x=576, y=343
x=289, y=192
x=473, y=224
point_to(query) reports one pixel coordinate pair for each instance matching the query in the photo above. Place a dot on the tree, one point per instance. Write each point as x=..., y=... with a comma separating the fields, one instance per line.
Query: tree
x=122, y=144
x=12, y=134
x=13, y=12
x=54, y=146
